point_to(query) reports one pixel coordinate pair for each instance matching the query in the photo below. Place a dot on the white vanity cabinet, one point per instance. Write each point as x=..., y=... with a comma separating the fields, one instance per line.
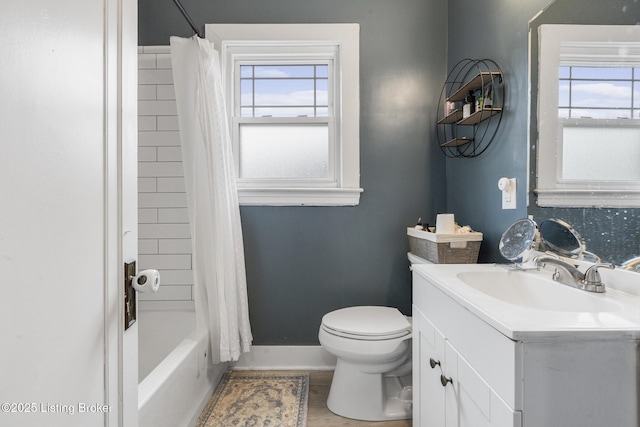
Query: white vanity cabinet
x=555, y=379
x=447, y=390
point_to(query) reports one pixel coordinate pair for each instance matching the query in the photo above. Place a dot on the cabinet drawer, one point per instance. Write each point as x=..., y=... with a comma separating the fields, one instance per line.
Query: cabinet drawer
x=496, y=358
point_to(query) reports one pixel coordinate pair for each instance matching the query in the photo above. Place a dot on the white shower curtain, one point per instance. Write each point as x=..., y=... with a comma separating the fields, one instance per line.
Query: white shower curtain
x=214, y=215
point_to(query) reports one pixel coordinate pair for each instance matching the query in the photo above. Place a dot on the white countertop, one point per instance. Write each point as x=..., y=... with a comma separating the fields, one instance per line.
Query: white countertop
x=527, y=324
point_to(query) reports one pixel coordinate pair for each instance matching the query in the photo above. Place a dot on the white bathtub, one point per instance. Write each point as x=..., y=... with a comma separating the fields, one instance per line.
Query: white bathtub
x=176, y=377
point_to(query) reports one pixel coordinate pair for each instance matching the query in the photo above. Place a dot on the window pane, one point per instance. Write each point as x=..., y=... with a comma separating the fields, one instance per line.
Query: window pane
x=284, y=151
x=322, y=71
x=246, y=92
x=563, y=94
x=601, y=94
x=593, y=153
x=284, y=92
x=303, y=89
x=602, y=73
x=246, y=71
x=322, y=92
x=283, y=71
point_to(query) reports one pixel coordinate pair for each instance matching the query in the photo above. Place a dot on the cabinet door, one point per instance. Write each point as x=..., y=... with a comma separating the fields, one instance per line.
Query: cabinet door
x=429, y=397
x=470, y=402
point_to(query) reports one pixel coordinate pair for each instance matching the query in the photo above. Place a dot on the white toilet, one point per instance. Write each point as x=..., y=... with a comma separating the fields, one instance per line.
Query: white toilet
x=372, y=379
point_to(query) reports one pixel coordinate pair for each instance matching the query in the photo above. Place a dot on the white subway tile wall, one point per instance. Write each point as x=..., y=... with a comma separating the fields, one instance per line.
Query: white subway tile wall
x=163, y=224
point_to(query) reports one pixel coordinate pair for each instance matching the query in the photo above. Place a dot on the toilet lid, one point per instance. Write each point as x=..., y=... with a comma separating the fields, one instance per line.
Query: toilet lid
x=367, y=321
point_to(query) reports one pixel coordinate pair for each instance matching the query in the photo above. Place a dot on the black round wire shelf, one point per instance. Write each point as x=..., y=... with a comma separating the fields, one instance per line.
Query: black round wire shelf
x=470, y=136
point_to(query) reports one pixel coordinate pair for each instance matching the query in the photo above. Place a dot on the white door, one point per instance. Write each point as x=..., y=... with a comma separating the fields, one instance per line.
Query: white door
x=67, y=195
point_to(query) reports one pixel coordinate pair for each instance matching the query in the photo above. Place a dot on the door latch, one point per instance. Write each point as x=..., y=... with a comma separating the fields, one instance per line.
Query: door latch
x=130, y=299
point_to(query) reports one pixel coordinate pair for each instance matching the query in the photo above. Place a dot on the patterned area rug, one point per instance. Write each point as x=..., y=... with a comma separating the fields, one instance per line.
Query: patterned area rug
x=258, y=400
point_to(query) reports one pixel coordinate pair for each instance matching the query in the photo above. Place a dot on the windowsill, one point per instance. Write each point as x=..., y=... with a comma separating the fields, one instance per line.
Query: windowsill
x=299, y=196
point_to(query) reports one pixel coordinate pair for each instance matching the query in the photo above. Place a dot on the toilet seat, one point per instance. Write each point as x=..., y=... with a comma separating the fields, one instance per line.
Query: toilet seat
x=370, y=323
x=365, y=337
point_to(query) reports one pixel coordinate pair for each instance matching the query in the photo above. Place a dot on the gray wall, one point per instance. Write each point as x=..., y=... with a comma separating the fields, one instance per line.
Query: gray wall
x=305, y=261
x=498, y=30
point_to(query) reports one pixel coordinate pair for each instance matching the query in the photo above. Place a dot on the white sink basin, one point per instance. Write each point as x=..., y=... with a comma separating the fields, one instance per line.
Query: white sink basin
x=529, y=305
x=528, y=289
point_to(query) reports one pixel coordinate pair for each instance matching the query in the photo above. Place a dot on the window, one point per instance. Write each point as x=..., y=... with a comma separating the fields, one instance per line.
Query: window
x=589, y=116
x=293, y=103
x=284, y=121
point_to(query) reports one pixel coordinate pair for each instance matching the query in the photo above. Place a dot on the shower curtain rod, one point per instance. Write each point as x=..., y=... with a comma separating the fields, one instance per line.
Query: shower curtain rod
x=187, y=17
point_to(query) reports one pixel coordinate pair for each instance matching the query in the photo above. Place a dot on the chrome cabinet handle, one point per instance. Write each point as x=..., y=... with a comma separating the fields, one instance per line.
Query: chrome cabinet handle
x=434, y=362
x=444, y=380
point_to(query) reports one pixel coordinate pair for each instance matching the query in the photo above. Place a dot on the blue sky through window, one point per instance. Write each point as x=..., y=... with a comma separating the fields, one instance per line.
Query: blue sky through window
x=599, y=92
x=284, y=90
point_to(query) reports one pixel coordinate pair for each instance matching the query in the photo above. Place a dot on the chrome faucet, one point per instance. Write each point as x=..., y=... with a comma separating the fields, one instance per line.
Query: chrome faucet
x=632, y=264
x=568, y=274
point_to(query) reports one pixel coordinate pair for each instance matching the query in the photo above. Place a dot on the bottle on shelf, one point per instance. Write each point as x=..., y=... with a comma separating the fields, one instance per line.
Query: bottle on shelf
x=479, y=101
x=469, y=105
x=448, y=108
x=488, y=96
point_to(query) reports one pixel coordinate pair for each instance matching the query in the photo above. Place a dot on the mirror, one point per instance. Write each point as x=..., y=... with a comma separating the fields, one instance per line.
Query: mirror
x=553, y=235
x=561, y=238
x=588, y=115
x=518, y=239
x=611, y=232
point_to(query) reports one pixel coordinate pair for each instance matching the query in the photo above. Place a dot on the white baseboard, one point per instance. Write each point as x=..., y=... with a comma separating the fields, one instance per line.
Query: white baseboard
x=280, y=357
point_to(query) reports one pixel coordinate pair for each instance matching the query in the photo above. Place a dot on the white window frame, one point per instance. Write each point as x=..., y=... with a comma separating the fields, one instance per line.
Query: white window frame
x=555, y=50
x=265, y=53
x=335, y=44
